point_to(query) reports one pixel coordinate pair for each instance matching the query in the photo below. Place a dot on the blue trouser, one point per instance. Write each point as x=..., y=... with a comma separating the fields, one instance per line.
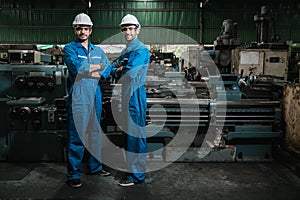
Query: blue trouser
x=76, y=150
x=136, y=163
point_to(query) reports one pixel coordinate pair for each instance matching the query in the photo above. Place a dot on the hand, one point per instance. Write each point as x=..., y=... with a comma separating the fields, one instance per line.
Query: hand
x=96, y=67
x=95, y=75
x=119, y=70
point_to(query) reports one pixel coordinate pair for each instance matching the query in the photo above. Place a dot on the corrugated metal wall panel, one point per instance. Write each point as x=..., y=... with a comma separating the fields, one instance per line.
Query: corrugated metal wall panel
x=145, y=4
x=171, y=20
x=24, y=35
x=24, y=21
x=27, y=18
x=150, y=36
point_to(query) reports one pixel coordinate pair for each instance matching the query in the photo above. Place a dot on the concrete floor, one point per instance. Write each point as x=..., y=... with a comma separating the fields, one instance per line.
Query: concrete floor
x=189, y=181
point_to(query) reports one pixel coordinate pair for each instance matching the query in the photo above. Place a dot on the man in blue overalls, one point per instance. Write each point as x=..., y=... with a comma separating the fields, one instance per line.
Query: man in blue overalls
x=87, y=64
x=131, y=69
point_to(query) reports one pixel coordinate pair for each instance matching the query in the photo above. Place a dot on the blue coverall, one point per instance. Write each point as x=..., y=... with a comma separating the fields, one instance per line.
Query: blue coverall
x=84, y=107
x=134, y=105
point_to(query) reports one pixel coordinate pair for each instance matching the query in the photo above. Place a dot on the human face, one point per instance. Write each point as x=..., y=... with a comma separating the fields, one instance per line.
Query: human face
x=130, y=32
x=83, y=32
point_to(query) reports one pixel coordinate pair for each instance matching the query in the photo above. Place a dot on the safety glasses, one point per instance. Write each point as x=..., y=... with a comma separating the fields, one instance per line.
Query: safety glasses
x=124, y=29
x=82, y=28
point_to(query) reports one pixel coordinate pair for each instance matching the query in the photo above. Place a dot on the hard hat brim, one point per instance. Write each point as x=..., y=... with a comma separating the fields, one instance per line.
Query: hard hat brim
x=129, y=24
x=74, y=25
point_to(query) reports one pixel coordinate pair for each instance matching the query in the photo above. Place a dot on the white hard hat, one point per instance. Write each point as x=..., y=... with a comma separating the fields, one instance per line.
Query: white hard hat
x=82, y=19
x=130, y=19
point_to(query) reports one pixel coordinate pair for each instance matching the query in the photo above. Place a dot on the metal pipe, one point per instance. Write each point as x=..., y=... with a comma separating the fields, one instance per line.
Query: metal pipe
x=201, y=23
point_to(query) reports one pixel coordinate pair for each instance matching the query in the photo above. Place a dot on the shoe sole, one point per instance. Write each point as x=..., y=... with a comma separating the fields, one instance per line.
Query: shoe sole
x=75, y=186
x=104, y=174
x=126, y=185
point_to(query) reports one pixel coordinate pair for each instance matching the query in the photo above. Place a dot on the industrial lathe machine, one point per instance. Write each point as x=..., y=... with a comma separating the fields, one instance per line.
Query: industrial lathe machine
x=225, y=120
x=33, y=111
x=218, y=117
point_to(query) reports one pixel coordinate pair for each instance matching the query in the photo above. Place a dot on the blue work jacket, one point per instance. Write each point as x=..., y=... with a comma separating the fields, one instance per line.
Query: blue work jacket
x=78, y=60
x=133, y=77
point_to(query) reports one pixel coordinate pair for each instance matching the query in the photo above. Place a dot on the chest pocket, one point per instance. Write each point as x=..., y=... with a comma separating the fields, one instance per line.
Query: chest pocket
x=96, y=59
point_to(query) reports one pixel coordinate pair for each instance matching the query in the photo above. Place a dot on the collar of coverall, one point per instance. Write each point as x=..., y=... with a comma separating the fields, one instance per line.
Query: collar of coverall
x=79, y=45
x=133, y=45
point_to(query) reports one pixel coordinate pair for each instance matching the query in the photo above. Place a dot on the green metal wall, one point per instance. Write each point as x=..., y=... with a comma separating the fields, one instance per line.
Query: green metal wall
x=49, y=22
